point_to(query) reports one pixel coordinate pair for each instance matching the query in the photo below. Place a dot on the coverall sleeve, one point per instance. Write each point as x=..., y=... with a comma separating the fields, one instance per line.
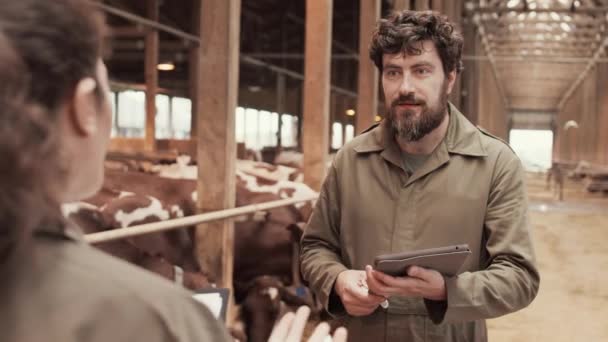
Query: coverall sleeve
x=509, y=281
x=320, y=257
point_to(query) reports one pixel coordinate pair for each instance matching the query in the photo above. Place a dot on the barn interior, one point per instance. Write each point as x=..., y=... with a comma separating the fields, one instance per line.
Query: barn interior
x=286, y=83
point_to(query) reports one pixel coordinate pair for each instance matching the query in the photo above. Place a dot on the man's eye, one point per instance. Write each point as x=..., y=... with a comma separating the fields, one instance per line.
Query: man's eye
x=392, y=73
x=423, y=71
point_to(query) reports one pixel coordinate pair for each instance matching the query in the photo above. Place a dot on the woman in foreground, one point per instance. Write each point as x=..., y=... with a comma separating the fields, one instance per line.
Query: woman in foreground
x=55, y=122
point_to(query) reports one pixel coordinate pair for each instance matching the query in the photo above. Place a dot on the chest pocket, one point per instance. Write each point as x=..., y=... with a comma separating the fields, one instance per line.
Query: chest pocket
x=450, y=207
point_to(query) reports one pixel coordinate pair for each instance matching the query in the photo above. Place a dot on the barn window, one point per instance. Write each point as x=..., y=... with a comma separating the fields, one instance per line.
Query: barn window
x=336, y=135
x=131, y=114
x=268, y=125
x=251, y=128
x=349, y=133
x=181, y=117
x=240, y=124
x=113, y=104
x=163, y=117
x=289, y=131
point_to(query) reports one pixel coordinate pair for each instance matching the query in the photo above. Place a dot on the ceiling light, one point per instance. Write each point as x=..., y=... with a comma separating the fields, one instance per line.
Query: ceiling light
x=166, y=66
x=350, y=112
x=378, y=118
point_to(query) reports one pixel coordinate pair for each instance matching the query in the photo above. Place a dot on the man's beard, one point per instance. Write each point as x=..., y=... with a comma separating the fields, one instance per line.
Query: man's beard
x=406, y=126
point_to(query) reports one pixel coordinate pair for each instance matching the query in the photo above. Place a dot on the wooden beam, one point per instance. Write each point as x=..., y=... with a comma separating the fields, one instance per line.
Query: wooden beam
x=281, y=101
x=151, y=76
x=136, y=31
x=367, y=99
x=504, y=10
x=153, y=24
x=218, y=79
x=315, y=140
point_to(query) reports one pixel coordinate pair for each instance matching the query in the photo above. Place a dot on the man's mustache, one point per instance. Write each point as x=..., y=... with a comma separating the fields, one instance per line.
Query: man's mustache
x=409, y=99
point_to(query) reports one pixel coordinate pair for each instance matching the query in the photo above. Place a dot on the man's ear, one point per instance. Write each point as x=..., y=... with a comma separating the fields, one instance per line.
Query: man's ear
x=451, y=80
x=83, y=109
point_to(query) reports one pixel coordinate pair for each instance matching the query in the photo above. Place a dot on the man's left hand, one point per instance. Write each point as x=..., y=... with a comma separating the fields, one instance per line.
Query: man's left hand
x=417, y=282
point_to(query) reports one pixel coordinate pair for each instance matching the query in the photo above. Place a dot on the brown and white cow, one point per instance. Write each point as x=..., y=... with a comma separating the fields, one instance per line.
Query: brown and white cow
x=263, y=246
x=92, y=219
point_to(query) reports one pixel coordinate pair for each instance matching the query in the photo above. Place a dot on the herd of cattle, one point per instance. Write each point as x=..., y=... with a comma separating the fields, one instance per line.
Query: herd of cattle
x=266, y=273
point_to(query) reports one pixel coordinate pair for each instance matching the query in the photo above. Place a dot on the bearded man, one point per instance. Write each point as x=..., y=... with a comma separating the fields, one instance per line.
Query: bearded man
x=424, y=177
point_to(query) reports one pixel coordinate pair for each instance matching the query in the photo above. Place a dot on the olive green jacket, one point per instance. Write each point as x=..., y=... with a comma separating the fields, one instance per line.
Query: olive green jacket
x=470, y=190
x=58, y=288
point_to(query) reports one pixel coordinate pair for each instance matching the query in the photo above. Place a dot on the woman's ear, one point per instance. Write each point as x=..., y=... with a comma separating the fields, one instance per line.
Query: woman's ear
x=83, y=109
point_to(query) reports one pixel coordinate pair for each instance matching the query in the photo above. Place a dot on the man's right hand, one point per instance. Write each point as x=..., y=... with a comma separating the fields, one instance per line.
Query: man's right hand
x=351, y=287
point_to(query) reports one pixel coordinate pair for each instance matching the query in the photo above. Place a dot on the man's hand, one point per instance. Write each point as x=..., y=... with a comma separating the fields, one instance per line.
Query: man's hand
x=352, y=290
x=417, y=282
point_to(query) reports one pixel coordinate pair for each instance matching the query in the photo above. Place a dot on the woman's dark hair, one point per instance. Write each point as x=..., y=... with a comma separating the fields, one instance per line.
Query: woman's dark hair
x=404, y=31
x=46, y=47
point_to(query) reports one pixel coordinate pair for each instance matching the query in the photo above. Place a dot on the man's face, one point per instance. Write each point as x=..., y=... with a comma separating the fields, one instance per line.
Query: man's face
x=415, y=90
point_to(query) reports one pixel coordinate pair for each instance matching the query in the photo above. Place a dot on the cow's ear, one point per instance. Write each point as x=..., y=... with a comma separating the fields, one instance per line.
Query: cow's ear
x=83, y=111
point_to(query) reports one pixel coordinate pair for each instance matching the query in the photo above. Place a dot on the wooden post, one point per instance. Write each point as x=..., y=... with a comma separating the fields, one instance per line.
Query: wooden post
x=316, y=90
x=453, y=10
x=400, y=5
x=439, y=5
x=218, y=80
x=471, y=74
x=194, y=70
x=367, y=99
x=151, y=76
x=589, y=118
x=281, y=93
x=422, y=5
x=602, y=114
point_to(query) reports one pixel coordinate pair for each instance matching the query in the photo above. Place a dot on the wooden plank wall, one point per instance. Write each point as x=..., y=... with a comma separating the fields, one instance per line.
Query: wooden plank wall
x=588, y=106
x=491, y=110
x=602, y=114
x=471, y=73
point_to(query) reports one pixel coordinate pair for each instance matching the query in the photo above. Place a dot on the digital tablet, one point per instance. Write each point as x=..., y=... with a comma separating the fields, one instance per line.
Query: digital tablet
x=215, y=299
x=446, y=260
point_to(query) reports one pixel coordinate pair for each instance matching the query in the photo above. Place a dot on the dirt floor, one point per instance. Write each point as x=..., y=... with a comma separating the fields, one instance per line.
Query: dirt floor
x=572, y=250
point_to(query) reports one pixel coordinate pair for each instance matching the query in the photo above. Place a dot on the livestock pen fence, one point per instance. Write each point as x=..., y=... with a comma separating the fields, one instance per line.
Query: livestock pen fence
x=184, y=222
x=178, y=223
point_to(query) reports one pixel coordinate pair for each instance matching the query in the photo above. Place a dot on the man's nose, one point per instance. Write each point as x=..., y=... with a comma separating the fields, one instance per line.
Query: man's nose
x=407, y=85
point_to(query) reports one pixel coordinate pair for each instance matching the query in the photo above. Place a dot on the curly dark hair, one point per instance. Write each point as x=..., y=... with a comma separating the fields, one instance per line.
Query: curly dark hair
x=46, y=47
x=404, y=31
